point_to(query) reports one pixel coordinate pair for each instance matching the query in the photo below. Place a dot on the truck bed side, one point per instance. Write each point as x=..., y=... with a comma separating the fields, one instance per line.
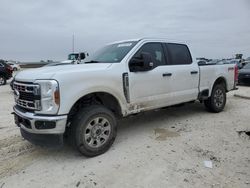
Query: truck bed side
x=210, y=73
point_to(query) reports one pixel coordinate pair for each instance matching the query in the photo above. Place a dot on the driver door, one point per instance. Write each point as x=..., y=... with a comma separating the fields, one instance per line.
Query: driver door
x=150, y=89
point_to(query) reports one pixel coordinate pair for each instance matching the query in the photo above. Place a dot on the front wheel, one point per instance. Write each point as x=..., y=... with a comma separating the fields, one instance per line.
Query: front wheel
x=217, y=100
x=93, y=130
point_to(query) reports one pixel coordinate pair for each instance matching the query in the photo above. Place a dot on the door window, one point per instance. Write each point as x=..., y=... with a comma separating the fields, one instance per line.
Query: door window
x=179, y=54
x=156, y=52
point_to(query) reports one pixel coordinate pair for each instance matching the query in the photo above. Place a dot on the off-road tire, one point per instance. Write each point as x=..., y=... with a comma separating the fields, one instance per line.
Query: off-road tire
x=217, y=101
x=79, y=128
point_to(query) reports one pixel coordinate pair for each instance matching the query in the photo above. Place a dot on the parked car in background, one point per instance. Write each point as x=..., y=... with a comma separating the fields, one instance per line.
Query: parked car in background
x=5, y=72
x=75, y=58
x=244, y=74
x=247, y=62
x=210, y=62
x=14, y=66
x=238, y=62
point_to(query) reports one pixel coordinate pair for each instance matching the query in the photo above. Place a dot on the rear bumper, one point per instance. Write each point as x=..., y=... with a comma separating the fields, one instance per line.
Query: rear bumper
x=41, y=130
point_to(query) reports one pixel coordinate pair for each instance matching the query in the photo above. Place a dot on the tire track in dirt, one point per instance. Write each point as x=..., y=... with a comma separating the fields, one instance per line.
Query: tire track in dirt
x=13, y=155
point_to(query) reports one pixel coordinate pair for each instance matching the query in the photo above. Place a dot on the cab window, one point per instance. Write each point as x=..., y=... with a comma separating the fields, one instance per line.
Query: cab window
x=179, y=54
x=156, y=52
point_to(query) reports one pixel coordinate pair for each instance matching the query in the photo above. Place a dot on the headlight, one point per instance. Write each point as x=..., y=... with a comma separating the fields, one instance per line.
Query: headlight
x=50, y=96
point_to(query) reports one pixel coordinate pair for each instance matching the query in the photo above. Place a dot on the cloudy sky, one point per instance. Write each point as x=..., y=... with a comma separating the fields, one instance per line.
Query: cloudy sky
x=32, y=30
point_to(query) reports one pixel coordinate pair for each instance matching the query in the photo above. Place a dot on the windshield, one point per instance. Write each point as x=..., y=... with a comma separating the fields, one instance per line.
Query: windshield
x=247, y=66
x=73, y=56
x=112, y=53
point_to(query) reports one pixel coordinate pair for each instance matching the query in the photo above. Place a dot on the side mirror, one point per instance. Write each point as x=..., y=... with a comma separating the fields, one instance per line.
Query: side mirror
x=142, y=63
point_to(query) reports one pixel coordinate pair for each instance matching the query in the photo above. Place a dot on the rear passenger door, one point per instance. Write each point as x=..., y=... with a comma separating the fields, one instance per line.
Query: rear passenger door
x=185, y=73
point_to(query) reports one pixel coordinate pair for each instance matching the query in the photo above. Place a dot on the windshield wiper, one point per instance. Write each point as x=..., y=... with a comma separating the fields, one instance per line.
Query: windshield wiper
x=92, y=61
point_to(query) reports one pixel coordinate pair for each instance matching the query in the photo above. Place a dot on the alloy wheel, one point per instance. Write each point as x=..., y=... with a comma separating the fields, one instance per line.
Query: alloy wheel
x=97, y=132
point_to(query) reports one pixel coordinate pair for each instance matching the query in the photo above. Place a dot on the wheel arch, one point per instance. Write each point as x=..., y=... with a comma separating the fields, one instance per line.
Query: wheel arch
x=220, y=80
x=102, y=98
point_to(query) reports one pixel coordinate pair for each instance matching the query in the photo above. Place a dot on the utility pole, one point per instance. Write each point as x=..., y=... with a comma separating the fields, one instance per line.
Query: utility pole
x=73, y=43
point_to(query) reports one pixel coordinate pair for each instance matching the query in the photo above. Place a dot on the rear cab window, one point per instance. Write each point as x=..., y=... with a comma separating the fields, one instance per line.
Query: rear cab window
x=178, y=54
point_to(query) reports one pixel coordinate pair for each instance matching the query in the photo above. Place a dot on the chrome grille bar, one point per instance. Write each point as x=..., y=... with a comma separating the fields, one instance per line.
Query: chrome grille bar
x=29, y=88
x=28, y=104
x=22, y=90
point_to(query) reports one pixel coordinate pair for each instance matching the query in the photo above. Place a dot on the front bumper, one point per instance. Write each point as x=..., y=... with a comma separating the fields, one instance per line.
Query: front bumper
x=41, y=130
x=36, y=124
x=46, y=140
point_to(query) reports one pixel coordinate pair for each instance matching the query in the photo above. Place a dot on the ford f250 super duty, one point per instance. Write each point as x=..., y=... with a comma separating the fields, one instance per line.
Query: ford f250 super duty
x=85, y=100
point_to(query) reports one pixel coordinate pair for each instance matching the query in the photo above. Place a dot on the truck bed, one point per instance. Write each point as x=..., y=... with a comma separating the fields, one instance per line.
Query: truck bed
x=210, y=72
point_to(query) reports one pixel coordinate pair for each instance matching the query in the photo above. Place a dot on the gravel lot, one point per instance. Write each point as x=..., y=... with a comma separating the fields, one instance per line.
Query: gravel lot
x=165, y=148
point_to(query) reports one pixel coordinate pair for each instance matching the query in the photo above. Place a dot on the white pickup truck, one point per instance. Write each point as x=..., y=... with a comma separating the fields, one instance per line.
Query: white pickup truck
x=84, y=101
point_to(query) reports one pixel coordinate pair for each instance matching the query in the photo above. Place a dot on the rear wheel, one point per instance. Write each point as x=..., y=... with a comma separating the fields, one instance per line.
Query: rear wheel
x=2, y=80
x=14, y=69
x=217, y=100
x=93, y=130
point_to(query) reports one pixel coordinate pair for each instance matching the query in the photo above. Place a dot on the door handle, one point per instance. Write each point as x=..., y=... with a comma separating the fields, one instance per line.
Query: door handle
x=194, y=72
x=166, y=74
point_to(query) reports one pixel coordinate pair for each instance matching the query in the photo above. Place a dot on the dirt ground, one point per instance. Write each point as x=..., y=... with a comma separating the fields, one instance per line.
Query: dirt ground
x=164, y=148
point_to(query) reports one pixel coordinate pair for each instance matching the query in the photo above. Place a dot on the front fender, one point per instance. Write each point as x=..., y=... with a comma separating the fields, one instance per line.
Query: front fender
x=67, y=101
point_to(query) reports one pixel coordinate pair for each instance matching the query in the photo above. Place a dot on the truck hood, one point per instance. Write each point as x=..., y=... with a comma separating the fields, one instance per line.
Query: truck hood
x=50, y=72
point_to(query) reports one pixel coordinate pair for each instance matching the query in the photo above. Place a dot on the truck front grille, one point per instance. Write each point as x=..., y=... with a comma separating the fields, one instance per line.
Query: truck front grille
x=27, y=95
